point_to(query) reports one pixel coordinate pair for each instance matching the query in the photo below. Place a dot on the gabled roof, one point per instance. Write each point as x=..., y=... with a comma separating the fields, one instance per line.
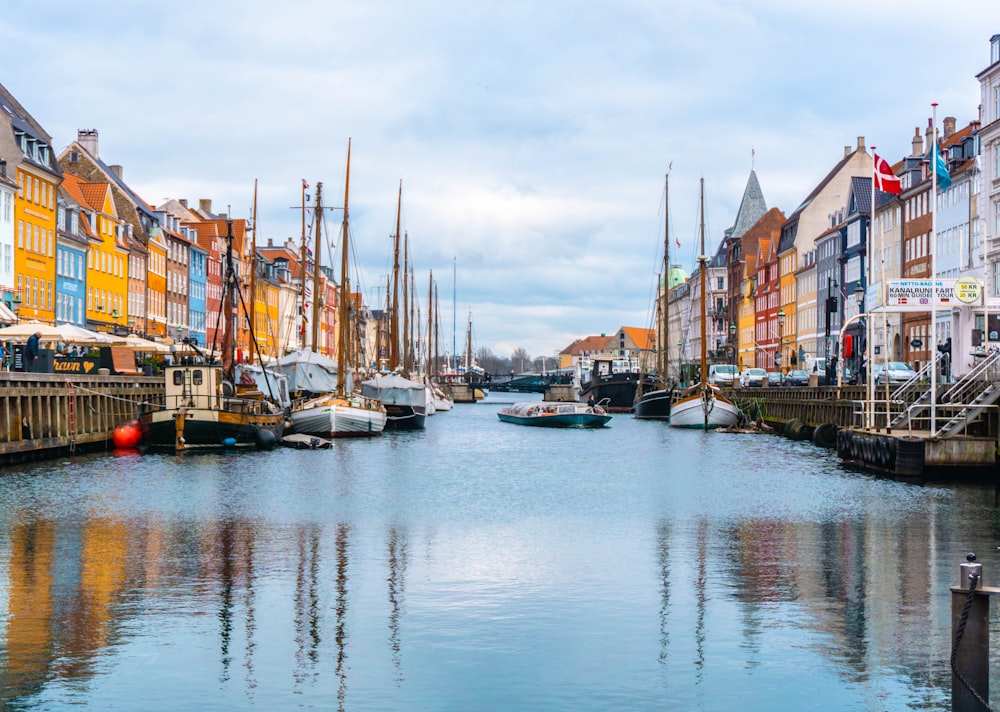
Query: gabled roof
x=794, y=216
x=642, y=337
x=21, y=120
x=587, y=343
x=74, y=187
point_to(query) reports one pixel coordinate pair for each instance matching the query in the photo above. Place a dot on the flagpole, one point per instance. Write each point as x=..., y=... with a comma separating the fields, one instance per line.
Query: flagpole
x=934, y=296
x=870, y=365
x=884, y=288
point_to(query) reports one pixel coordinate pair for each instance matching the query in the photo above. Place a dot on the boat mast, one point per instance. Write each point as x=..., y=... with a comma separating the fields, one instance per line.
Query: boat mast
x=703, y=260
x=430, y=325
x=302, y=288
x=405, y=333
x=345, y=290
x=394, y=311
x=315, y=301
x=662, y=362
x=468, y=345
x=229, y=308
x=253, y=346
x=454, y=312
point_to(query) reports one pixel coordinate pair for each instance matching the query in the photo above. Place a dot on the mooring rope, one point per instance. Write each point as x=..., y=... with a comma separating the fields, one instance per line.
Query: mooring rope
x=959, y=632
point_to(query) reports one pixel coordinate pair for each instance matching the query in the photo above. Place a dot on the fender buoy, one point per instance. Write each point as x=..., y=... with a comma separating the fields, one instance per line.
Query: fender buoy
x=127, y=435
x=826, y=435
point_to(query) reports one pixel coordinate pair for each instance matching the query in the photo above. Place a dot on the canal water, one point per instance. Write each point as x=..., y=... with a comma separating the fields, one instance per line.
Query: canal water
x=479, y=565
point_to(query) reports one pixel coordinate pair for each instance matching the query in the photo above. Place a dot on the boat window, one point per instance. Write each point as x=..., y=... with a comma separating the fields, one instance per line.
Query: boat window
x=178, y=378
x=197, y=377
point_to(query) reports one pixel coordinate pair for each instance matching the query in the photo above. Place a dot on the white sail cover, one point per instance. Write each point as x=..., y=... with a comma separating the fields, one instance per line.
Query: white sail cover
x=396, y=390
x=313, y=372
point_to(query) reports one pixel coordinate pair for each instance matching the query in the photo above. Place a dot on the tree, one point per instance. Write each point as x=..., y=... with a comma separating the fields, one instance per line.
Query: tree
x=519, y=358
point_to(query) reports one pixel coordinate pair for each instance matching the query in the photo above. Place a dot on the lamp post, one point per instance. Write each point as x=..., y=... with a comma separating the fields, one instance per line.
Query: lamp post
x=781, y=336
x=732, y=341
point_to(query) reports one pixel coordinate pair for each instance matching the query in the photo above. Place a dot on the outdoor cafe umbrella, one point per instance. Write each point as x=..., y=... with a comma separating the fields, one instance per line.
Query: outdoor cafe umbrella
x=20, y=332
x=73, y=334
x=137, y=343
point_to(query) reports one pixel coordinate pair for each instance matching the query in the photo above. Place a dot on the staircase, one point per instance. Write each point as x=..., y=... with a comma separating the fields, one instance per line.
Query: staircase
x=961, y=402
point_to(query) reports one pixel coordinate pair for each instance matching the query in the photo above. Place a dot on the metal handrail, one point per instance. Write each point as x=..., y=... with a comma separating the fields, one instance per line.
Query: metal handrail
x=909, y=419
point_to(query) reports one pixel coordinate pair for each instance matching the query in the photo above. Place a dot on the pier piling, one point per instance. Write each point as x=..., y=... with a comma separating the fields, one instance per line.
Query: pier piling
x=970, y=649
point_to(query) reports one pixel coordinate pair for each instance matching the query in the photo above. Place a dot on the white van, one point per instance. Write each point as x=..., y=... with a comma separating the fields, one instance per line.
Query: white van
x=818, y=366
x=723, y=374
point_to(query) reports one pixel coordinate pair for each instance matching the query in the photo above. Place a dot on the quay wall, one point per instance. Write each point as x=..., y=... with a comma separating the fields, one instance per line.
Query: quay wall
x=44, y=415
x=812, y=405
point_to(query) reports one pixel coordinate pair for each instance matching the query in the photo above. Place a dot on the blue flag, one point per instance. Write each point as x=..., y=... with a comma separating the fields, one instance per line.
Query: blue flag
x=941, y=168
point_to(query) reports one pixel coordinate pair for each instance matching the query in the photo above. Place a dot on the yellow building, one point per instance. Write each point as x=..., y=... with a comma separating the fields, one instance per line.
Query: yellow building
x=156, y=284
x=107, y=257
x=35, y=228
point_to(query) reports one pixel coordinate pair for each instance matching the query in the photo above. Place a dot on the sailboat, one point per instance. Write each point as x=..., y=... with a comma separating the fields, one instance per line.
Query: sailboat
x=655, y=404
x=405, y=400
x=340, y=413
x=702, y=405
x=206, y=405
x=442, y=402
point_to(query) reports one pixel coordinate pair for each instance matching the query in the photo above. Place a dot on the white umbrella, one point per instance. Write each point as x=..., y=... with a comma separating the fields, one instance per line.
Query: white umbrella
x=73, y=334
x=19, y=332
x=137, y=343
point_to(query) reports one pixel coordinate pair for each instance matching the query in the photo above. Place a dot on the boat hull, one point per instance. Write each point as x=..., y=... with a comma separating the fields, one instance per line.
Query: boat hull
x=616, y=392
x=554, y=415
x=654, y=405
x=338, y=417
x=703, y=411
x=186, y=429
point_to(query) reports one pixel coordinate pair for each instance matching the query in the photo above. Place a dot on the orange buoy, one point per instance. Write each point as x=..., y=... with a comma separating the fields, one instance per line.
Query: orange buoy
x=127, y=435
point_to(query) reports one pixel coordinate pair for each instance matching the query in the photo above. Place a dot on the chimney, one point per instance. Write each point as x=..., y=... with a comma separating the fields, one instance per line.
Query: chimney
x=861, y=144
x=183, y=201
x=917, y=143
x=929, y=140
x=223, y=216
x=88, y=139
x=949, y=126
x=117, y=170
x=847, y=151
x=270, y=242
x=205, y=204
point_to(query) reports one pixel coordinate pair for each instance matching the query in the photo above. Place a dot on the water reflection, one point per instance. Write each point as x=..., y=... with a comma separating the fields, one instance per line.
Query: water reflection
x=436, y=587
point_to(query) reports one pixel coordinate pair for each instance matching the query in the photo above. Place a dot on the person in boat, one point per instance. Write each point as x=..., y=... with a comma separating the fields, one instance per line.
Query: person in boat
x=590, y=401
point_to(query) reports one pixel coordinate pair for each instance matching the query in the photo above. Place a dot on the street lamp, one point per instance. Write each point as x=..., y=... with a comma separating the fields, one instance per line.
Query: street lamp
x=781, y=335
x=732, y=341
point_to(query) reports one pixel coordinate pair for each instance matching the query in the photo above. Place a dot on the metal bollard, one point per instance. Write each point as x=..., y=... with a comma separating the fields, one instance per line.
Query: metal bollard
x=970, y=627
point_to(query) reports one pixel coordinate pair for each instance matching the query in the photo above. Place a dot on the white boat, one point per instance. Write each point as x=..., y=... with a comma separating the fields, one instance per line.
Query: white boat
x=702, y=405
x=340, y=412
x=704, y=408
x=405, y=401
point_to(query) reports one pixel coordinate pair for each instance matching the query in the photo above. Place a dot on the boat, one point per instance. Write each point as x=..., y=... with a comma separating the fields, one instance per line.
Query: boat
x=612, y=381
x=405, y=400
x=655, y=404
x=209, y=405
x=340, y=412
x=702, y=405
x=555, y=414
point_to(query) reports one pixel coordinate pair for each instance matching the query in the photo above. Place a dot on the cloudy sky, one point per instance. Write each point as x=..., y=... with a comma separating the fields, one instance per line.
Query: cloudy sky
x=531, y=138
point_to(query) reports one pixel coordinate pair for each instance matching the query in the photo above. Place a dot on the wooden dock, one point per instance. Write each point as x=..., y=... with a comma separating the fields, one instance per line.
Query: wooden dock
x=44, y=415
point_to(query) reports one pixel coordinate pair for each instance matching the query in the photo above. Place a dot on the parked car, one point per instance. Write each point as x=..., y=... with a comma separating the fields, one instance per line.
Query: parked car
x=723, y=374
x=797, y=377
x=753, y=378
x=774, y=378
x=898, y=371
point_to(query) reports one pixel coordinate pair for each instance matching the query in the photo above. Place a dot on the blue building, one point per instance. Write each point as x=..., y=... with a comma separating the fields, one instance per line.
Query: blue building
x=197, y=291
x=72, y=236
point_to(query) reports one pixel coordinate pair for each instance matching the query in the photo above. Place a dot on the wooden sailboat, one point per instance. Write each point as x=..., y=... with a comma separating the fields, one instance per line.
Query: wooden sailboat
x=341, y=413
x=702, y=405
x=655, y=404
x=442, y=401
x=206, y=407
x=405, y=400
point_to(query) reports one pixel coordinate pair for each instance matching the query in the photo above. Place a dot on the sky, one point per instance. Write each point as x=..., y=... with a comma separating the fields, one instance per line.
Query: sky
x=531, y=138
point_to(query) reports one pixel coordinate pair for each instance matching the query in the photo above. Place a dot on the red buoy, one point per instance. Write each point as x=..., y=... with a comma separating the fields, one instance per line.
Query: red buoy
x=127, y=435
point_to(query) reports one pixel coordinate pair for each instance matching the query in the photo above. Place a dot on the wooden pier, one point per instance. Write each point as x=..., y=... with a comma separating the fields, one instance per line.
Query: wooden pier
x=835, y=417
x=44, y=415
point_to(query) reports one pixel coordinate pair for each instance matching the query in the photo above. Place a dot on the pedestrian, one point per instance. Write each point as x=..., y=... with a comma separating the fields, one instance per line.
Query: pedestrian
x=31, y=350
